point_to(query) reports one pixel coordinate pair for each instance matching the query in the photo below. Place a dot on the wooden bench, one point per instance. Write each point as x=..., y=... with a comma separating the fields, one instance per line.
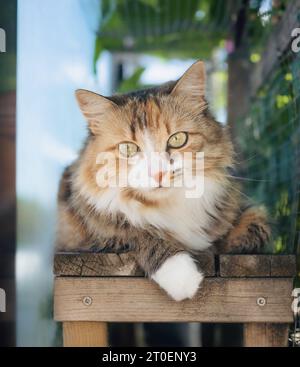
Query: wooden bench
x=92, y=289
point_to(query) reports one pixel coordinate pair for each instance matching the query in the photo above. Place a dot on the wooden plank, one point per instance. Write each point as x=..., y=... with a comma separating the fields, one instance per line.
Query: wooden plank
x=95, y=264
x=85, y=334
x=113, y=264
x=121, y=299
x=283, y=266
x=257, y=265
x=206, y=262
x=265, y=335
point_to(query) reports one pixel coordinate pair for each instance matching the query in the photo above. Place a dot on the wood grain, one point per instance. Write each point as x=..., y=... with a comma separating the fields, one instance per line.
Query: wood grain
x=85, y=334
x=96, y=264
x=283, y=266
x=123, y=264
x=266, y=335
x=122, y=299
x=113, y=264
x=257, y=265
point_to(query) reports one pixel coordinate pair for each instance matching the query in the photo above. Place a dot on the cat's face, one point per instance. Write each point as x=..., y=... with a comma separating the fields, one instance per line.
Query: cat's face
x=149, y=144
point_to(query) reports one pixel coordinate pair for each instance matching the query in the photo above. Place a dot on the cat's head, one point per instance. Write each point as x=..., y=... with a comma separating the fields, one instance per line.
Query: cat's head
x=142, y=144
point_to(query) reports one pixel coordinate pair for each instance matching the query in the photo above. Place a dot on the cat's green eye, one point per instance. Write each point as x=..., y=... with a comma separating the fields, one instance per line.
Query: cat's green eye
x=178, y=140
x=128, y=150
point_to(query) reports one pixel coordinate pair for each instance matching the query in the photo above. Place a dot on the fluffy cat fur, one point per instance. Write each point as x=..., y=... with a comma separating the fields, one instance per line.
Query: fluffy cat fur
x=161, y=225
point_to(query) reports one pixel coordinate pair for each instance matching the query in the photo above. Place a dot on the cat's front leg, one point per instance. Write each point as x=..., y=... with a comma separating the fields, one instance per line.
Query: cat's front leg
x=249, y=234
x=172, y=268
x=179, y=276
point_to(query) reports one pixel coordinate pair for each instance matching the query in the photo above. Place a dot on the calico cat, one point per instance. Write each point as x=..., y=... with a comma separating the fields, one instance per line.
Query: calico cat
x=163, y=226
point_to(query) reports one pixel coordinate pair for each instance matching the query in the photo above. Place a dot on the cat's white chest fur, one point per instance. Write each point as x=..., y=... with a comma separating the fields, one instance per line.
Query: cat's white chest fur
x=183, y=217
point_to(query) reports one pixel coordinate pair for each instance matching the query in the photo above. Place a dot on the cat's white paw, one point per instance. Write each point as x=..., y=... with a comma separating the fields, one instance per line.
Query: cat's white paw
x=179, y=276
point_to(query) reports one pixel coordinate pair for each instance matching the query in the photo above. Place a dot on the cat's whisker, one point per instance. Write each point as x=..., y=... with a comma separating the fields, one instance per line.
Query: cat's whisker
x=246, y=160
x=242, y=193
x=246, y=178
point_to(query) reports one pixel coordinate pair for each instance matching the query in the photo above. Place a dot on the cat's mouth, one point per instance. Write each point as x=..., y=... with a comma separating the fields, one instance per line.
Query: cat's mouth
x=151, y=189
x=160, y=188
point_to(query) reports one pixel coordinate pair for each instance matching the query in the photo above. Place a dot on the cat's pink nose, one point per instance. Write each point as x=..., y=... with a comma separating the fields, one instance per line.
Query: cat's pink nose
x=158, y=176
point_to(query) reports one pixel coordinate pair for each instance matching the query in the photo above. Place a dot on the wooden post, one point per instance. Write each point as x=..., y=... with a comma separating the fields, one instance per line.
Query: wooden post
x=238, y=88
x=8, y=22
x=265, y=335
x=85, y=334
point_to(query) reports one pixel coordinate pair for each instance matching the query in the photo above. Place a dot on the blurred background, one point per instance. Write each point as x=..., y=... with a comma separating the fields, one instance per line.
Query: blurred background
x=113, y=46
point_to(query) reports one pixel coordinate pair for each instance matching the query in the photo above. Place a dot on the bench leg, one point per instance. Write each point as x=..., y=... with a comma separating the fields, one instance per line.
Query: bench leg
x=85, y=334
x=265, y=335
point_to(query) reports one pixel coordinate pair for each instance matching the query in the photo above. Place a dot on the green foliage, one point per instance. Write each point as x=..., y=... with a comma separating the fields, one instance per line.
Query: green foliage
x=261, y=24
x=97, y=52
x=174, y=28
x=133, y=82
x=270, y=138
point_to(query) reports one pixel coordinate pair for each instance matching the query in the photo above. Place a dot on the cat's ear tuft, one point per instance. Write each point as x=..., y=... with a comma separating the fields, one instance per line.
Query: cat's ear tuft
x=192, y=83
x=94, y=107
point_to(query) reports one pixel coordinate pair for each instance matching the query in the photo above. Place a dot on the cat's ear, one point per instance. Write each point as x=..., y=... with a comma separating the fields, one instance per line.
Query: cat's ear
x=192, y=82
x=95, y=108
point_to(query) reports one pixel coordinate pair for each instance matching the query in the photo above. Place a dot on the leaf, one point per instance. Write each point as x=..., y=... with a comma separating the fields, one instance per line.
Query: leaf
x=133, y=82
x=153, y=3
x=97, y=52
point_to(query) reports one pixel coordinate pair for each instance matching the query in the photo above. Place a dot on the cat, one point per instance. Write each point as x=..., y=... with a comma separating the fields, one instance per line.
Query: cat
x=162, y=226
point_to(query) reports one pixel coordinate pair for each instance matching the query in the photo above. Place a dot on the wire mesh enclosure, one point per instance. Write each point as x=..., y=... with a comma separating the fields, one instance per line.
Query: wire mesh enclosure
x=270, y=138
x=172, y=27
x=153, y=18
